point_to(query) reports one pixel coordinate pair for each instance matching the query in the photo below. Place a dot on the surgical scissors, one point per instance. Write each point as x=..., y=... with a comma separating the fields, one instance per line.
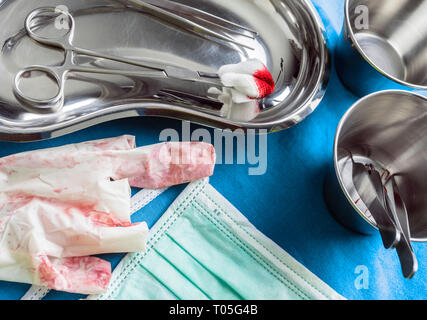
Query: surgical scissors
x=59, y=73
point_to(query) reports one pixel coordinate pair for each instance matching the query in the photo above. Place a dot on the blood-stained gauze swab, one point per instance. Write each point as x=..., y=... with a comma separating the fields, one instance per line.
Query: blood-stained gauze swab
x=59, y=206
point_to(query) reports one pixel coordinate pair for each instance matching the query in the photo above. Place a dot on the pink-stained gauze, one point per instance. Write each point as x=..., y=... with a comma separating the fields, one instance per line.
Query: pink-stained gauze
x=167, y=164
x=59, y=206
x=85, y=275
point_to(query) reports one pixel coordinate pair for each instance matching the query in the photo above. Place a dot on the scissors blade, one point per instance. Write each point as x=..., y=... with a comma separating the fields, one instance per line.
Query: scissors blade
x=191, y=75
x=145, y=73
x=182, y=21
x=171, y=72
x=218, y=22
x=189, y=98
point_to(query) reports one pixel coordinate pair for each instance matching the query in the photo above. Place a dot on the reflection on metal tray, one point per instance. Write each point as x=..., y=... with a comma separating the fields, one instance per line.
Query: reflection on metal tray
x=289, y=41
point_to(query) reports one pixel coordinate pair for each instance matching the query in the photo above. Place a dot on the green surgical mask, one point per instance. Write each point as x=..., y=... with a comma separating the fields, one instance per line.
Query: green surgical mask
x=204, y=248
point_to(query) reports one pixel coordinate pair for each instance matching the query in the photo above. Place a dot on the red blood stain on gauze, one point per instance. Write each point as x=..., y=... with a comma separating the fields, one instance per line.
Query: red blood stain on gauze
x=264, y=81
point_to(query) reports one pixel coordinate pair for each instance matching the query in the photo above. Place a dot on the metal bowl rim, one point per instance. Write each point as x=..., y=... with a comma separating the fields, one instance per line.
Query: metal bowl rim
x=368, y=59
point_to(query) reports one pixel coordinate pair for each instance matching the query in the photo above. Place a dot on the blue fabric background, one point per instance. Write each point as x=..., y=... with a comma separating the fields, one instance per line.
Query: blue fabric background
x=286, y=203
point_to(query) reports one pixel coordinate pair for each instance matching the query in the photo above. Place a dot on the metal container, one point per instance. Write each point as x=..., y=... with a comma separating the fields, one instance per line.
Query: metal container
x=389, y=130
x=383, y=45
x=290, y=42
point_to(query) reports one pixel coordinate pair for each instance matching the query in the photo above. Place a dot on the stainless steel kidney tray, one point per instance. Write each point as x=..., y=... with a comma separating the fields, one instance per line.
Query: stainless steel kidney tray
x=290, y=41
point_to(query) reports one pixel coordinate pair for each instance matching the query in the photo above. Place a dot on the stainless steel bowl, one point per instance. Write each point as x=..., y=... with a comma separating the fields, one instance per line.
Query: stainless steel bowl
x=389, y=130
x=290, y=42
x=383, y=46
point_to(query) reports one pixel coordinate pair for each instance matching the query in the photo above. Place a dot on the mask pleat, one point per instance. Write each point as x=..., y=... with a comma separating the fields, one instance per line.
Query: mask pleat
x=170, y=276
x=203, y=243
x=209, y=242
x=217, y=287
x=141, y=284
x=162, y=284
x=188, y=277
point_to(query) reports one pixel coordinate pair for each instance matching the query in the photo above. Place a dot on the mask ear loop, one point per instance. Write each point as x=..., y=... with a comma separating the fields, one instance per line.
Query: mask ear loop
x=138, y=201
